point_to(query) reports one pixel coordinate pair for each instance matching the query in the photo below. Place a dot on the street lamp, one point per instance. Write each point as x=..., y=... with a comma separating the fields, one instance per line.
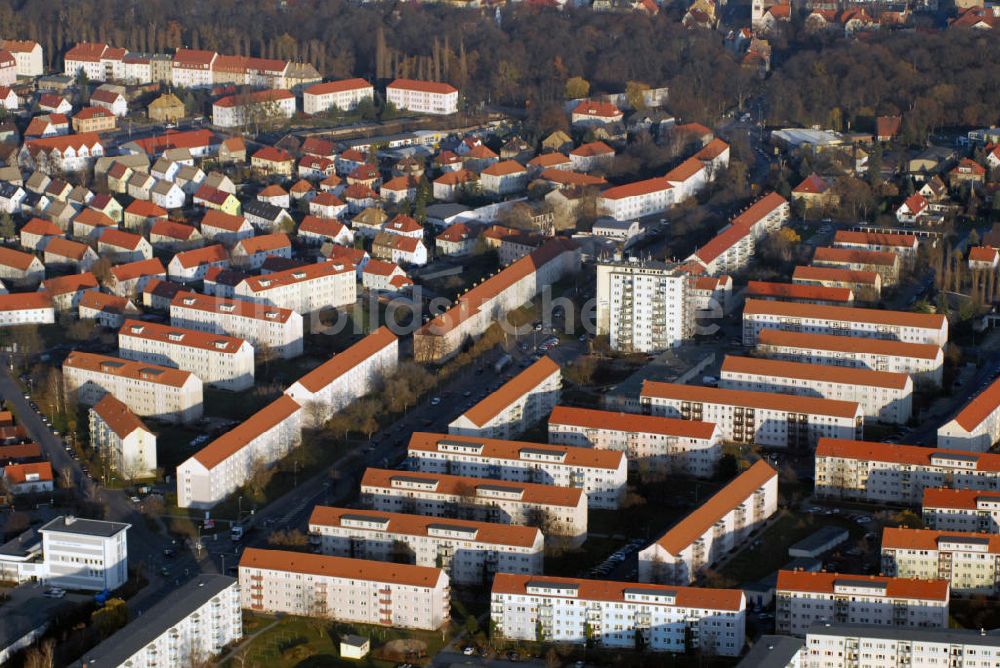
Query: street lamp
x=239, y=514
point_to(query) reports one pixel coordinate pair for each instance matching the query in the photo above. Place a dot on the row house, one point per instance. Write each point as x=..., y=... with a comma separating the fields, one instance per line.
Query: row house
x=902, y=326
x=305, y=289
x=865, y=285
x=717, y=527
x=471, y=553
x=31, y=308
x=108, y=311
x=515, y=406
x=882, y=395
x=768, y=419
x=795, y=292
x=884, y=263
x=969, y=510
x=862, y=645
x=969, y=561
x=600, y=473
x=223, y=361
x=886, y=473
x=266, y=328
x=224, y=465
x=71, y=153
x=618, y=615
x=149, y=390
x=557, y=511
x=977, y=426
x=119, y=435
x=129, y=280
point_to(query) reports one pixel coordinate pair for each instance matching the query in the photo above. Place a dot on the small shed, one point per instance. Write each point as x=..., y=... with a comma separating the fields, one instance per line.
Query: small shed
x=354, y=647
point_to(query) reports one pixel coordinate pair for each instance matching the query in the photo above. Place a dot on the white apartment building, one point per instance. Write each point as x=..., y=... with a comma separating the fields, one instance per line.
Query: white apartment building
x=637, y=200
x=28, y=56
x=765, y=418
x=348, y=375
x=191, y=624
x=883, y=395
x=425, y=97
x=803, y=598
x=618, y=614
x=874, y=646
x=642, y=306
x=148, y=390
x=129, y=445
x=25, y=308
x=947, y=509
x=557, y=511
x=903, y=245
x=192, y=68
x=885, y=473
x=844, y=320
x=717, y=527
x=969, y=561
x=518, y=404
x=923, y=361
x=977, y=425
x=191, y=265
x=266, y=328
x=217, y=359
x=344, y=590
x=234, y=111
x=303, y=289
x=471, y=553
x=225, y=464
x=343, y=95
x=650, y=443
x=602, y=474
x=885, y=264
x=84, y=554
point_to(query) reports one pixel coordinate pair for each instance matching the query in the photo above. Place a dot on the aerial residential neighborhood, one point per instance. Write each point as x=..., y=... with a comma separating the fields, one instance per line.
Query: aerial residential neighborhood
x=612, y=333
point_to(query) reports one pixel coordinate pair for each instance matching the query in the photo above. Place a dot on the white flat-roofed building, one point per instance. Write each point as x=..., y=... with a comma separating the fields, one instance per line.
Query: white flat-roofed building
x=557, y=511
x=85, y=554
x=804, y=598
x=266, y=328
x=148, y=390
x=518, y=404
x=344, y=590
x=343, y=95
x=977, y=425
x=192, y=623
x=619, y=615
x=714, y=529
x=129, y=445
x=303, y=289
x=844, y=320
x=657, y=444
x=346, y=376
x=642, y=306
x=874, y=646
x=883, y=395
x=924, y=362
x=26, y=308
x=217, y=359
x=886, y=473
x=225, y=464
x=425, y=97
x=968, y=560
x=961, y=510
x=471, y=553
x=601, y=474
x=764, y=418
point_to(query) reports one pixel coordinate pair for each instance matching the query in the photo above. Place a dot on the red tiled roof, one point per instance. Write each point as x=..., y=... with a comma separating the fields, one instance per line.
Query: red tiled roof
x=17, y=474
x=815, y=293
x=775, y=401
x=272, y=154
x=630, y=422
x=847, y=313
x=118, y=416
x=341, y=567
x=61, y=285
x=341, y=363
x=131, y=270
x=848, y=344
x=511, y=391
x=834, y=274
x=146, y=209
x=895, y=588
x=777, y=369
x=245, y=432
x=456, y=485
x=223, y=221
x=597, y=109
x=813, y=184
x=337, y=86
x=200, y=256
x=855, y=256
x=423, y=86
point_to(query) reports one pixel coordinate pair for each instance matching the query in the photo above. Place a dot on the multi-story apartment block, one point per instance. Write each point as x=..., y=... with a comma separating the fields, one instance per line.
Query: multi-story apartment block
x=714, y=529
x=765, y=418
x=191, y=624
x=237, y=110
x=803, y=599
x=192, y=68
x=875, y=646
x=149, y=390
x=903, y=245
x=344, y=590
x=642, y=306
x=28, y=56
x=977, y=425
x=885, y=473
x=947, y=509
x=902, y=326
x=794, y=292
x=923, y=361
x=346, y=376
x=304, y=289
x=882, y=395
x=226, y=463
x=601, y=474
x=638, y=199
x=121, y=437
x=20, y=267
x=341, y=95
x=217, y=359
x=866, y=285
x=557, y=511
x=268, y=329
x=23, y=308
x=883, y=263
x=650, y=443
x=968, y=560
x=84, y=554
x=515, y=406
x=424, y=97
x=471, y=553
x=618, y=614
